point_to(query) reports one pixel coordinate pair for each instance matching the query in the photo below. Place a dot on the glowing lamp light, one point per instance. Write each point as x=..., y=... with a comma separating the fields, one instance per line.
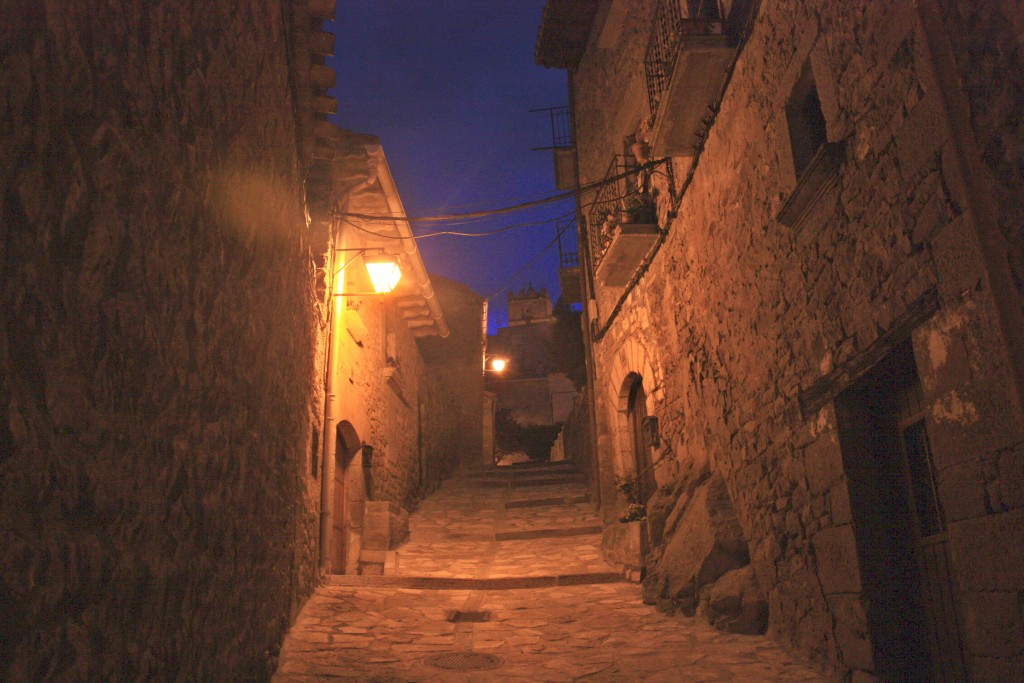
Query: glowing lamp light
x=384, y=273
x=498, y=364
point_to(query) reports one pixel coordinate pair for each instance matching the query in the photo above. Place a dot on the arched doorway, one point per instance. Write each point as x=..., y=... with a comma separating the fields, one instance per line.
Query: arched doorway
x=347, y=444
x=636, y=413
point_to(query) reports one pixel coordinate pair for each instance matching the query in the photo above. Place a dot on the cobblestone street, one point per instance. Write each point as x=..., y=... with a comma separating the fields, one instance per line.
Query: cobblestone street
x=502, y=579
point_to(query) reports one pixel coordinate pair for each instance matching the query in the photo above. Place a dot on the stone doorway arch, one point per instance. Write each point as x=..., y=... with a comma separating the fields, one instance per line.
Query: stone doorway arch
x=634, y=398
x=347, y=444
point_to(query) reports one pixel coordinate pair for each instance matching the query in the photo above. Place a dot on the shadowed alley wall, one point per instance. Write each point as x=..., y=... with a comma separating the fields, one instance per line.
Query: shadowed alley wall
x=156, y=351
x=454, y=400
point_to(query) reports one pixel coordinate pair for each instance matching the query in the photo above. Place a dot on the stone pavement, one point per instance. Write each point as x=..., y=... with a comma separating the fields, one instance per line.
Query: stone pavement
x=502, y=579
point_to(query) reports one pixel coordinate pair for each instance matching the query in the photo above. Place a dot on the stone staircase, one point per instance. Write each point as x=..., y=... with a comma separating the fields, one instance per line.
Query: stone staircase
x=525, y=525
x=441, y=611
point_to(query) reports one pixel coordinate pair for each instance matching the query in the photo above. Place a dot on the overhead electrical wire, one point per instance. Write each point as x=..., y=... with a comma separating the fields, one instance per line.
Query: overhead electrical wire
x=506, y=209
x=486, y=233
x=455, y=233
x=508, y=283
x=577, y=191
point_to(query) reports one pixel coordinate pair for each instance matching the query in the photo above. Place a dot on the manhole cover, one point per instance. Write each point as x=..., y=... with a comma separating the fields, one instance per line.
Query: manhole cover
x=464, y=661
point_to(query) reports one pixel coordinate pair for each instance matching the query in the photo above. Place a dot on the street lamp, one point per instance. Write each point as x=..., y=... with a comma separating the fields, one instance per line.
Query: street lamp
x=384, y=273
x=383, y=270
x=497, y=363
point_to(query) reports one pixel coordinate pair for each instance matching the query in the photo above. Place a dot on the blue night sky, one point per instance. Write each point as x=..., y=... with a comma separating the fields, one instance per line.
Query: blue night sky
x=447, y=85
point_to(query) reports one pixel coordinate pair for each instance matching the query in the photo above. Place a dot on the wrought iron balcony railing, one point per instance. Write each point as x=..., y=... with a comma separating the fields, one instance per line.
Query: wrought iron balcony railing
x=672, y=22
x=568, y=246
x=618, y=202
x=569, y=262
x=561, y=146
x=561, y=127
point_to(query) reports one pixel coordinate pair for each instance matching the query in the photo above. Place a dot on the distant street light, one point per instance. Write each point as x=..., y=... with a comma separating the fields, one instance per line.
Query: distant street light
x=498, y=364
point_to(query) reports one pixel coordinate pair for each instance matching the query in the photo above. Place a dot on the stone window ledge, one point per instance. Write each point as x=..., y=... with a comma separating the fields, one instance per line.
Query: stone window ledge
x=820, y=175
x=394, y=379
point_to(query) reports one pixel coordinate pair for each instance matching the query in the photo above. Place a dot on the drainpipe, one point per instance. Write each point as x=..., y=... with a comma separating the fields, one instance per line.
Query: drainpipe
x=411, y=254
x=330, y=420
x=330, y=439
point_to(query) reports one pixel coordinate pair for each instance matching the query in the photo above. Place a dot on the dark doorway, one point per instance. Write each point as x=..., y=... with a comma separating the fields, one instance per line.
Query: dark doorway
x=899, y=524
x=345, y=448
x=637, y=411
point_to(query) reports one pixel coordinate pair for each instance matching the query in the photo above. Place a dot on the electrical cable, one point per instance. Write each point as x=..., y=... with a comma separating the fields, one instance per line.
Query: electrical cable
x=487, y=233
x=454, y=233
x=570, y=194
x=532, y=262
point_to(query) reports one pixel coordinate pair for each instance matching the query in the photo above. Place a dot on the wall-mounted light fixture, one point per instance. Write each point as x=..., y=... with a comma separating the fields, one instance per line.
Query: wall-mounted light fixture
x=384, y=273
x=382, y=268
x=493, y=363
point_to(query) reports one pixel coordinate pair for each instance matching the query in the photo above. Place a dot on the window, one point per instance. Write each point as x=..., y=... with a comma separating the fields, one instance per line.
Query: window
x=314, y=460
x=806, y=121
x=816, y=161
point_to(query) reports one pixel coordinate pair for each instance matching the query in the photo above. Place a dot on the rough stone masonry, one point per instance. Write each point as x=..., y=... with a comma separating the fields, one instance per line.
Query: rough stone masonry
x=156, y=350
x=755, y=339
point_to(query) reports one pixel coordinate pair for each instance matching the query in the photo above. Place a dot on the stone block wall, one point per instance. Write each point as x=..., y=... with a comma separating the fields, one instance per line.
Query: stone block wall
x=576, y=435
x=428, y=417
x=453, y=403
x=157, y=386
x=383, y=414
x=744, y=329
x=988, y=60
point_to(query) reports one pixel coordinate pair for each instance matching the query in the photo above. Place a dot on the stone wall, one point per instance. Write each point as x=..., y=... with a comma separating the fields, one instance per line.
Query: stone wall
x=985, y=47
x=383, y=413
x=157, y=515
x=453, y=405
x=744, y=330
x=577, y=443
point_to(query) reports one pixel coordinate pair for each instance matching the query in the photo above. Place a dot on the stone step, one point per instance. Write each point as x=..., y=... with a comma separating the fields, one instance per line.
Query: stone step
x=547, y=502
x=517, y=471
x=535, y=466
x=552, y=480
x=517, y=535
x=501, y=583
x=563, y=532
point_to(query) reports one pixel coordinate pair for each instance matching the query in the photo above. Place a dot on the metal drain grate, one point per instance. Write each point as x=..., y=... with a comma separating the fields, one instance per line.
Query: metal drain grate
x=457, y=617
x=464, y=661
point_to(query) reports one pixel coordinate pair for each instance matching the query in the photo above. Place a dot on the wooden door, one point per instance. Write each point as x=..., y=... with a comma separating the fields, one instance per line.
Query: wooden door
x=646, y=483
x=899, y=525
x=339, y=540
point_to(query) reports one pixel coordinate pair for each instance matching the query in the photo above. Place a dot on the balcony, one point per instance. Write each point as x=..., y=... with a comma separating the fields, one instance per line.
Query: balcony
x=569, y=262
x=562, y=147
x=688, y=57
x=623, y=224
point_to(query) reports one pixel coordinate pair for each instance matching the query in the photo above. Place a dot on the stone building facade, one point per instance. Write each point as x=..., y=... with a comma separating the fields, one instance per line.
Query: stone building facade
x=534, y=386
x=453, y=423
x=158, y=346
x=404, y=393
x=804, y=273
x=168, y=195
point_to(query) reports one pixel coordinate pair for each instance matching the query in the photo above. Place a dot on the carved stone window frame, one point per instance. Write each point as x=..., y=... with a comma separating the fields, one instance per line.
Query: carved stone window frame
x=803, y=189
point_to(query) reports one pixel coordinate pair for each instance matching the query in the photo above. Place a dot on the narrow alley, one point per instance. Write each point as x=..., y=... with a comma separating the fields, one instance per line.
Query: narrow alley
x=740, y=282
x=502, y=579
